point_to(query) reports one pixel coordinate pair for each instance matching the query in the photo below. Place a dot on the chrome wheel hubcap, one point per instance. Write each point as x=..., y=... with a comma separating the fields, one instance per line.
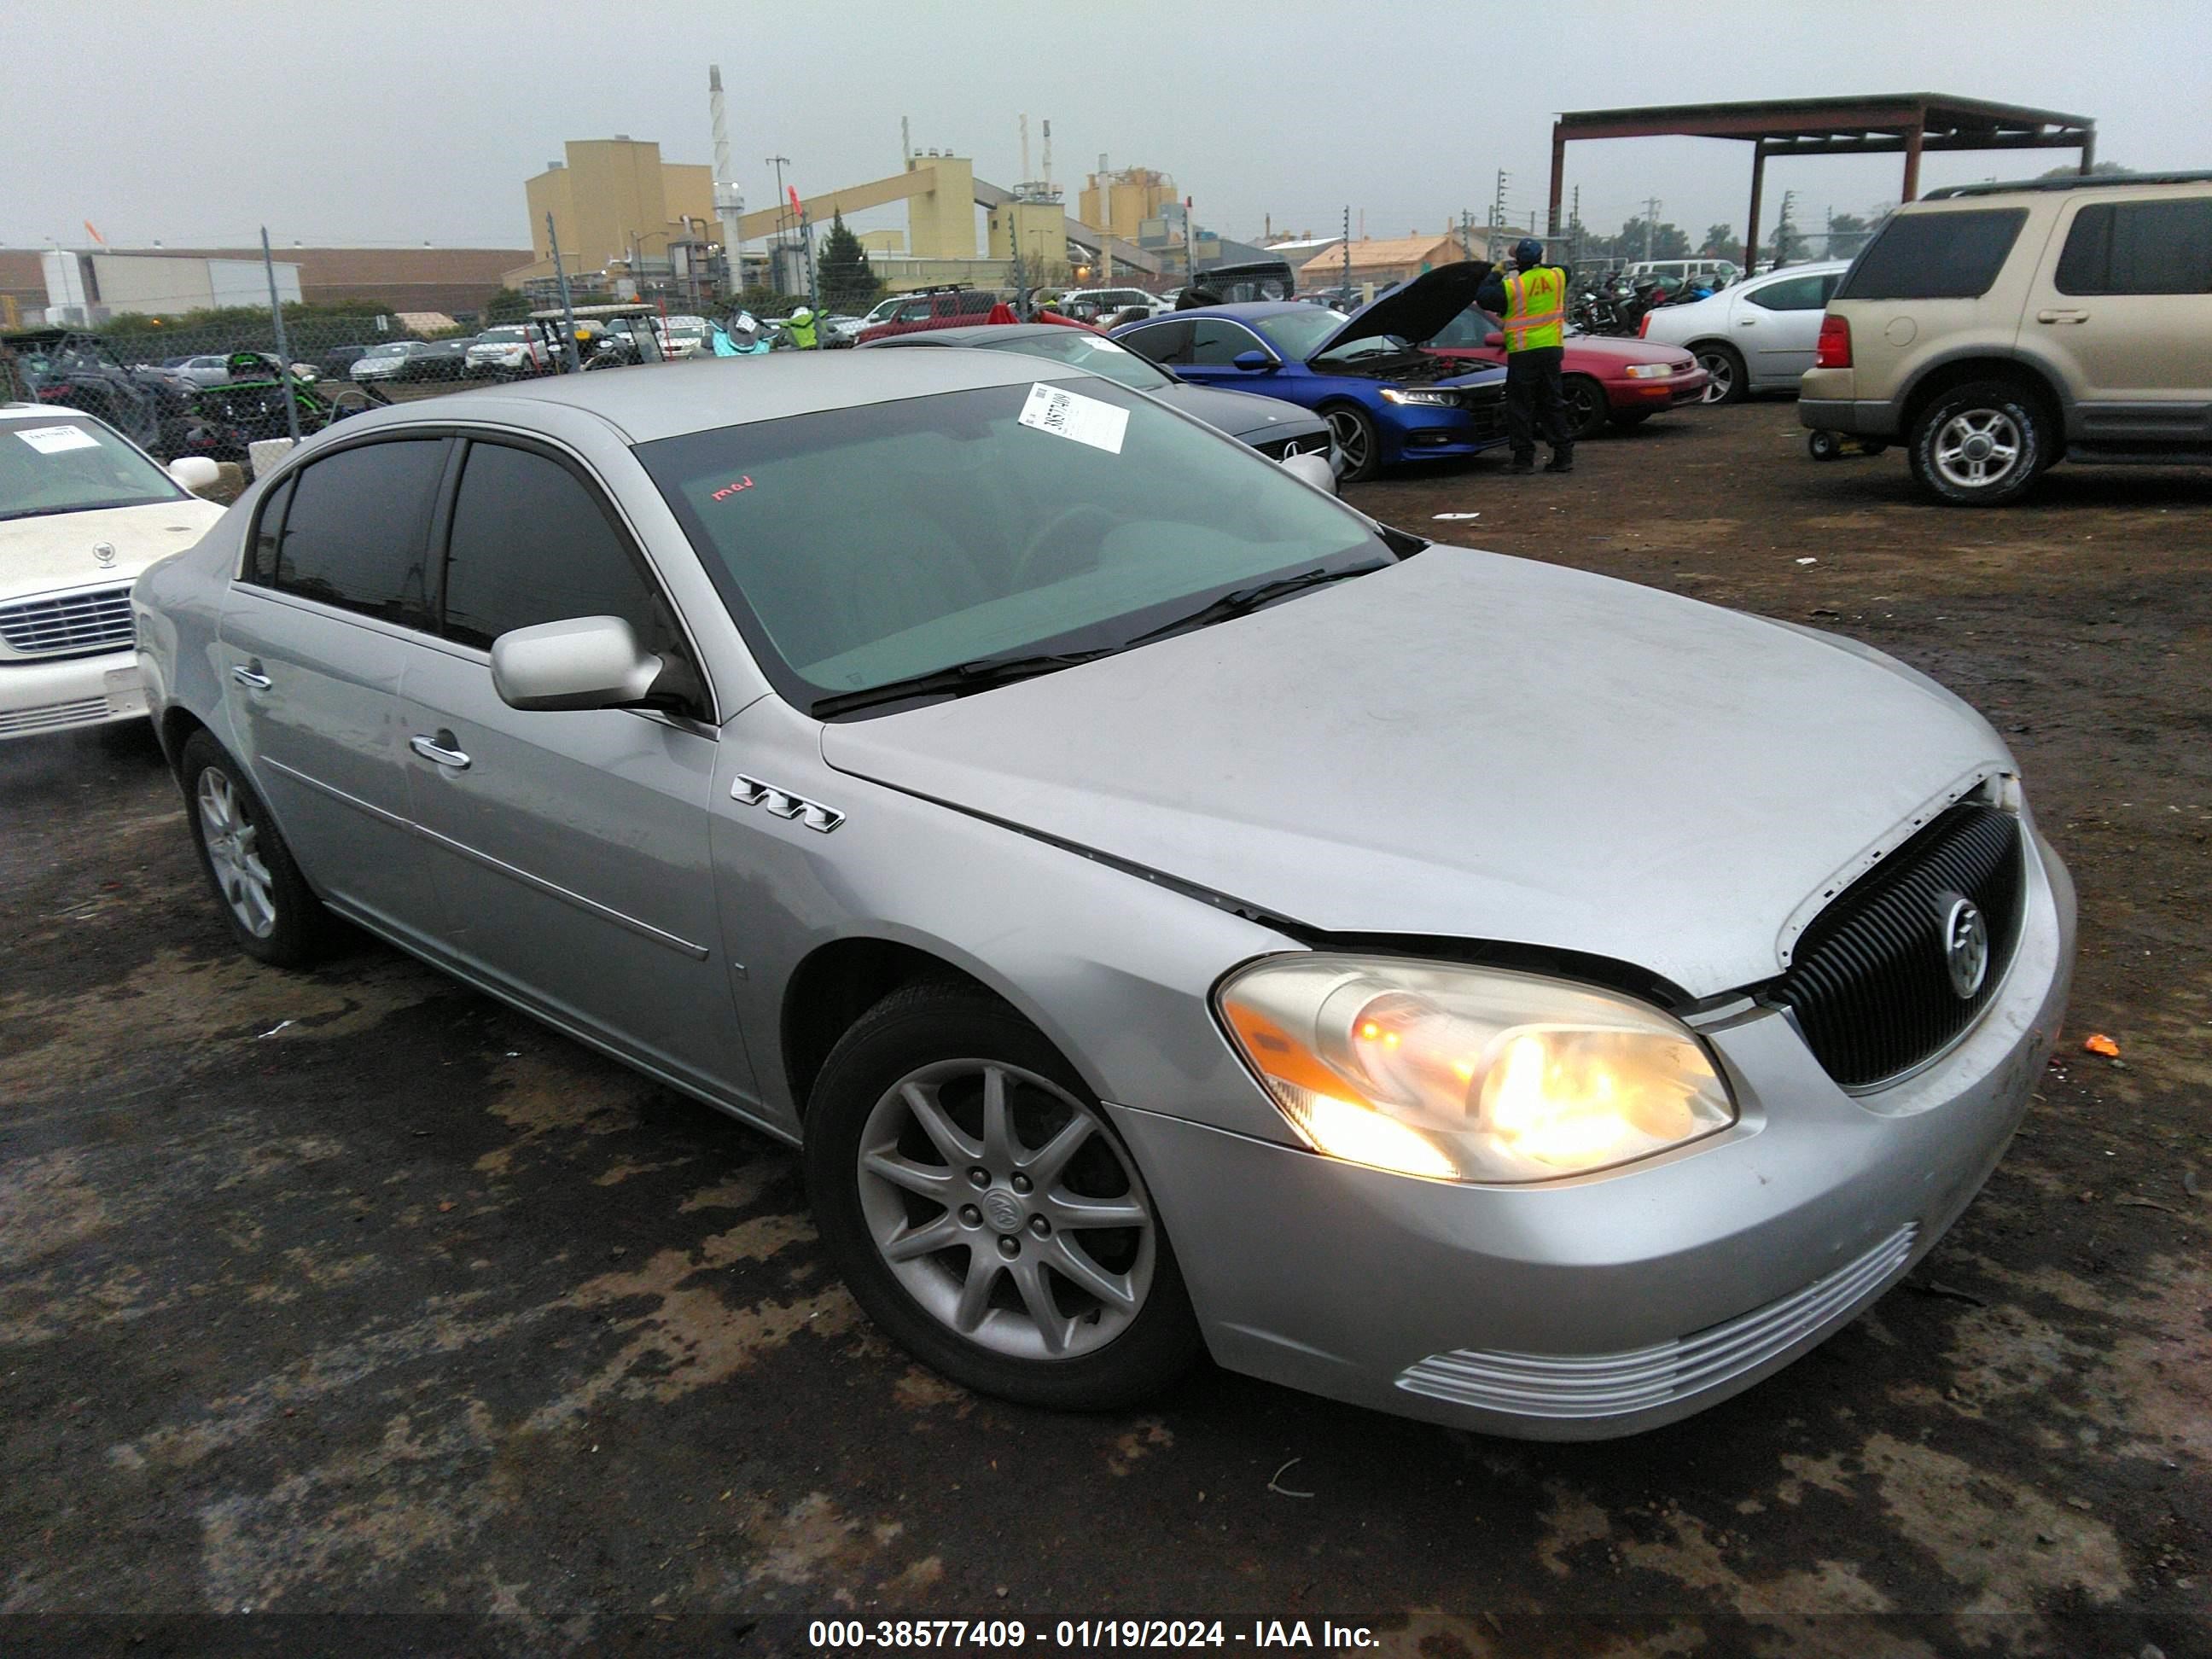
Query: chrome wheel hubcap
x=234, y=851
x=1351, y=438
x=999, y=1201
x=1977, y=447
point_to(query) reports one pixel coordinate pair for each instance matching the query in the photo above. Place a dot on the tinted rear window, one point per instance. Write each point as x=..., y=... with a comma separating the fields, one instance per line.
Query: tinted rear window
x=2139, y=247
x=357, y=527
x=1935, y=256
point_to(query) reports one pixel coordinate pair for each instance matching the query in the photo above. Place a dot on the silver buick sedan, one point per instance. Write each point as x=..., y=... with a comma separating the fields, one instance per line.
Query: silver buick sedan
x=1171, y=911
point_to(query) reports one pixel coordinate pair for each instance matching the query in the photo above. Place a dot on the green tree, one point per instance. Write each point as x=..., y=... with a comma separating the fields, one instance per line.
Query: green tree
x=509, y=305
x=848, y=282
x=1668, y=241
x=1847, y=234
x=1789, y=245
x=2101, y=169
x=1721, y=243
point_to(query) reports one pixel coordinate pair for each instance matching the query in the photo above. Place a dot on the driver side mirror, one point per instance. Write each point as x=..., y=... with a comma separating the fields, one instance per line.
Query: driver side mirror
x=1254, y=361
x=195, y=474
x=1495, y=337
x=585, y=662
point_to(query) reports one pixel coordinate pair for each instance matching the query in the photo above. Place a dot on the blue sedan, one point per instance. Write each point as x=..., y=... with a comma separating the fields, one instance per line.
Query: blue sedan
x=1385, y=400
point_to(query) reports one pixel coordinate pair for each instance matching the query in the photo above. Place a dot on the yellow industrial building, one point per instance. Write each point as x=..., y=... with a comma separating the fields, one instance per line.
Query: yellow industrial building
x=615, y=200
x=1119, y=203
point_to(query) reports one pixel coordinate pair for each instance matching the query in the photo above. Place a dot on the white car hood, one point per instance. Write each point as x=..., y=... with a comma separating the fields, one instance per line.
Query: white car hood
x=1471, y=746
x=37, y=556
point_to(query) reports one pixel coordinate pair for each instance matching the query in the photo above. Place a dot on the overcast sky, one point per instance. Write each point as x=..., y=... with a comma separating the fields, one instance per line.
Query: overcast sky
x=196, y=121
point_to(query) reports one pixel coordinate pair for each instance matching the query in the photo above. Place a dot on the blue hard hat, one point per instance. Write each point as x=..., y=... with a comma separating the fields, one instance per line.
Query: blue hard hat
x=1527, y=251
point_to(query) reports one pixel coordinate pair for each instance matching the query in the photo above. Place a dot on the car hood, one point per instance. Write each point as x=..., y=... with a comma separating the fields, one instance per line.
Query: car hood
x=1240, y=414
x=1592, y=347
x=1467, y=745
x=39, y=555
x=1418, y=310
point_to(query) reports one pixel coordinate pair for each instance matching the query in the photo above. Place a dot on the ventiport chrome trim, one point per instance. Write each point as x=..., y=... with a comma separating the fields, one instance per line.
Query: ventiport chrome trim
x=752, y=792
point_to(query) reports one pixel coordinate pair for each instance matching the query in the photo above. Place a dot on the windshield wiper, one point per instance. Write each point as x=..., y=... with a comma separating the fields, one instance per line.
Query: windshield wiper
x=958, y=681
x=1243, y=600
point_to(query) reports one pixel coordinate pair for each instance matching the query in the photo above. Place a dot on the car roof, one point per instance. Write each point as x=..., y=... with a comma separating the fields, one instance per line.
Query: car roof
x=49, y=412
x=955, y=336
x=650, y=401
x=1809, y=268
x=1244, y=311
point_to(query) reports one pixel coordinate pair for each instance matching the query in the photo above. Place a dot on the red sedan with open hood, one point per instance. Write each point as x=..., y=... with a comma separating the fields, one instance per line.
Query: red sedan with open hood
x=1605, y=381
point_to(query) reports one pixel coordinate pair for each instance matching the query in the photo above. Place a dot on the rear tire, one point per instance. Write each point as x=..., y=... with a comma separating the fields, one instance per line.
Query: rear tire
x=1980, y=444
x=1823, y=445
x=988, y=1280
x=1585, y=404
x=1729, y=382
x=271, y=913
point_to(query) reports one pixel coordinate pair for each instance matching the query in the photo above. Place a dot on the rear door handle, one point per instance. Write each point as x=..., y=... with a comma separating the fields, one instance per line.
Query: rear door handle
x=440, y=748
x=250, y=676
x=2061, y=316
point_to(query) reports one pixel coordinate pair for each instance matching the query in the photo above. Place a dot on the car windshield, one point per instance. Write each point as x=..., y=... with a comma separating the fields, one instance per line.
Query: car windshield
x=395, y=349
x=74, y=466
x=1065, y=516
x=499, y=337
x=1299, y=334
x=1085, y=350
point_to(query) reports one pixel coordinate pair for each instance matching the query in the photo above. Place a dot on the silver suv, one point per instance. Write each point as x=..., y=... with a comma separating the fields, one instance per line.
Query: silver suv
x=1999, y=329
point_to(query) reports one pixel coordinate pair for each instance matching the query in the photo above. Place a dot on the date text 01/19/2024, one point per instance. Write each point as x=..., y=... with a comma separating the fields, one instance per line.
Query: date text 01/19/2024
x=827, y=1634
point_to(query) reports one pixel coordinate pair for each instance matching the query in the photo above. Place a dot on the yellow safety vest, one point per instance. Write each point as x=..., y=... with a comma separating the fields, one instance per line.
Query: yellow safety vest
x=1536, y=308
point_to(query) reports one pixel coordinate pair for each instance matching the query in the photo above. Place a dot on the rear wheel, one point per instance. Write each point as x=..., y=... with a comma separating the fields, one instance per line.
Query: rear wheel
x=983, y=1211
x=1355, y=440
x=1979, y=445
x=264, y=899
x=1586, y=406
x=1729, y=383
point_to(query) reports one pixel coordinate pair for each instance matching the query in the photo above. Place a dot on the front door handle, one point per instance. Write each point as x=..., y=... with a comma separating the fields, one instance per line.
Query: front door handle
x=2061, y=316
x=1746, y=322
x=440, y=750
x=250, y=676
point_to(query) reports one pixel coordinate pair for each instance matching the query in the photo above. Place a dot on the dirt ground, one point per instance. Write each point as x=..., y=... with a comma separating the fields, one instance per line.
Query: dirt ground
x=354, y=1292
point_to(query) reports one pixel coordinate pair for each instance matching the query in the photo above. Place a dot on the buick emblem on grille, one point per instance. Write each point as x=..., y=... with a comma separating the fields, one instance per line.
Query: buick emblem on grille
x=1965, y=944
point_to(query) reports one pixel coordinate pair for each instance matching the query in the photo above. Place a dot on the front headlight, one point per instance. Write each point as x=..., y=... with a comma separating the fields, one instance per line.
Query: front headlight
x=1460, y=1073
x=1426, y=395
x=1649, y=371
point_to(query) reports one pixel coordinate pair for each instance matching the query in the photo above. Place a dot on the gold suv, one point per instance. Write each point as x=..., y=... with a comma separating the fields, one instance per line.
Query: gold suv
x=1996, y=330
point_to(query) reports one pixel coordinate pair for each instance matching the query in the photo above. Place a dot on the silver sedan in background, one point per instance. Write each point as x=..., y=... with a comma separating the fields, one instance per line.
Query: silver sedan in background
x=1754, y=336
x=1171, y=911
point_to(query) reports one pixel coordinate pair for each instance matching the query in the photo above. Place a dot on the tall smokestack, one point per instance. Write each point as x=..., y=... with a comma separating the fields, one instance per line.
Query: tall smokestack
x=729, y=199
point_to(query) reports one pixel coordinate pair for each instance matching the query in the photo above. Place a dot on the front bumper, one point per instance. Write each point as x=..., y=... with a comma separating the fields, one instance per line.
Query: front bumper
x=1614, y=1303
x=37, y=698
x=1418, y=432
x=1626, y=397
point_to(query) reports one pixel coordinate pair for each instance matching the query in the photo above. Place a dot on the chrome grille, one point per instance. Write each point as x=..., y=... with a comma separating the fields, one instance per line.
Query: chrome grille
x=1637, y=1379
x=73, y=624
x=1299, y=443
x=1867, y=984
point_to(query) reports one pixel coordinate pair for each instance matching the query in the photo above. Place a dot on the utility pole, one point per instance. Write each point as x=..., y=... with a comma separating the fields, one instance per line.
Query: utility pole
x=1189, y=242
x=283, y=350
x=1781, y=243
x=1347, y=254
x=567, y=308
x=782, y=236
x=1497, y=210
x=1652, y=206
x=1575, y=228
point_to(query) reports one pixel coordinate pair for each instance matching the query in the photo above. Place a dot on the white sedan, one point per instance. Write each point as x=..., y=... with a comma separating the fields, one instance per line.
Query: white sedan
x=1756, y=335
x=82, y=511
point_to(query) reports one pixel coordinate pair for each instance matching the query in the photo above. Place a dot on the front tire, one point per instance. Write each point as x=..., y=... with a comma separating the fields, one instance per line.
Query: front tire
x=270, y=911
x=1981, y=445
x=1586, y=409
x=1729, y=382
x=1356, y=441
x=984, y=1213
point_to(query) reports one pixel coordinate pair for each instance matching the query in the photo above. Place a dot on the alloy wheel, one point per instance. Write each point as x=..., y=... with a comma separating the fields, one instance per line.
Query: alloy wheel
x=1978, y=448
x=1720, y=370
x=1005, y=1210
x=1350, y=434
x=232, y=839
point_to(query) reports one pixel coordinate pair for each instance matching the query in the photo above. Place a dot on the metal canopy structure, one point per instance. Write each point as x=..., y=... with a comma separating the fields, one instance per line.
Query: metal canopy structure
x=1908, y=123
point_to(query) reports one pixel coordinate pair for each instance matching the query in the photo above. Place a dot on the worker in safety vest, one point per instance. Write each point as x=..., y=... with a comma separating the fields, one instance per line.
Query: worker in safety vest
x=800, y=326
x=1531, y=302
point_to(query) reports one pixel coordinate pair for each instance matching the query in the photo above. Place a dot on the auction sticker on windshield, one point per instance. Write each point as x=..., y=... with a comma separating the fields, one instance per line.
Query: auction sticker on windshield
x=1067, y=414
x=52, y=440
